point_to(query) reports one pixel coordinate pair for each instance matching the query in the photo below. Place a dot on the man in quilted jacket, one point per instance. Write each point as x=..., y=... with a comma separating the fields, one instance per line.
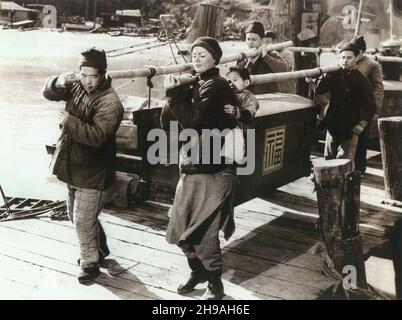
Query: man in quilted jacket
x=85, y=154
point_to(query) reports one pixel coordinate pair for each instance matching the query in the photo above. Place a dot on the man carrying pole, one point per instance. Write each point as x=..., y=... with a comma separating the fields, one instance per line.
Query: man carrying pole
x=351, y=106
x=373, y=71
x=264, y=62
x=86, y=152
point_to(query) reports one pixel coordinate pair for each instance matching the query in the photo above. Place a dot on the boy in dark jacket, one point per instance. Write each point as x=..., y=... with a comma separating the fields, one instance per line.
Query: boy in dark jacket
x=373, y=71
x=85, y=154
x=351, y=107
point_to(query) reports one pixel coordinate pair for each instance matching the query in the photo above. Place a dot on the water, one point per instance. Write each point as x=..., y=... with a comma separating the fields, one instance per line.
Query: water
x=28, y=121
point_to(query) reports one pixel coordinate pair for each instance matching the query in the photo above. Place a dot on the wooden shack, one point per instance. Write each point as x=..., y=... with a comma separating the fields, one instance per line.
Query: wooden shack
x=10, y=12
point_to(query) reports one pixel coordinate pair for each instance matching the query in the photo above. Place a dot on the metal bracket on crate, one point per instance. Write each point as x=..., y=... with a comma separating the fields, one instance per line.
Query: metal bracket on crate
x=150, y=84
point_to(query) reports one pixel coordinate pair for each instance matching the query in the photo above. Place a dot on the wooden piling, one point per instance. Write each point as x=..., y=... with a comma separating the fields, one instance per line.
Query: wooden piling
x=390, y=129
x=338, y=194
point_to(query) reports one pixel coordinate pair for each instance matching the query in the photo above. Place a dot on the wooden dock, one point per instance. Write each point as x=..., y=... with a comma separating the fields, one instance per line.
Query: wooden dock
x=270, y=256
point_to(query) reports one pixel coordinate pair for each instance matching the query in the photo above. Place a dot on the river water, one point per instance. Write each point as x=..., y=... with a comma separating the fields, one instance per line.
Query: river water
x=27, y=120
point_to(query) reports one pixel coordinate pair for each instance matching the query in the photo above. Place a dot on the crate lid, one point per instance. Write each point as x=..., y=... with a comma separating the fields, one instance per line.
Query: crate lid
x=273, y=103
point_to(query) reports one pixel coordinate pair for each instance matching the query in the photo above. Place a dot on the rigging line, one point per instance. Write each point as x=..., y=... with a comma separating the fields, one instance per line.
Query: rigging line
x=170, y=45
x=124, y=84
x=138, y=50
x=179, y=50
x=132, y=46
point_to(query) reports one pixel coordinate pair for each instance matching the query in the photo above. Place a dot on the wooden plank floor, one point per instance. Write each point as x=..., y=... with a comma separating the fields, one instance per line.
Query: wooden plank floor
x=270, y=256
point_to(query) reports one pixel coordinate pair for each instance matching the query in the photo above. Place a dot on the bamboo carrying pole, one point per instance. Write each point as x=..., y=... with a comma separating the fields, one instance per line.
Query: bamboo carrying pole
x=253, y=53
x=187, y=67
x=284, y=76
x=386, y=59
x=391, y=151
x=313, y=50
x=338, y=197
x=336, y=50
x=273, y=77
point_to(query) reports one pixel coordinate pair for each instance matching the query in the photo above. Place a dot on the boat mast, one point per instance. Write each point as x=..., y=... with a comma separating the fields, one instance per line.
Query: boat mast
x=391, y=21
x=359, y=16
x=95, y=9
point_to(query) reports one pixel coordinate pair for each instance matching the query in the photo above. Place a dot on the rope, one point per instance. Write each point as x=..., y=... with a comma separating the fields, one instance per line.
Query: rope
x=124, y=84
x=243, y=56
x=180, y=51
x=170, y=45
x=174, y=42
x=132, y=46
x=150, y=85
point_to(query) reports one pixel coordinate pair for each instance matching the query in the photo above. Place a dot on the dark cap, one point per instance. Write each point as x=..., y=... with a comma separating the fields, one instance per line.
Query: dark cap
x=348, y=46
x=211, y=45
x=360, y=43
x=256, y=27
x=93, y=57
x=270, y=34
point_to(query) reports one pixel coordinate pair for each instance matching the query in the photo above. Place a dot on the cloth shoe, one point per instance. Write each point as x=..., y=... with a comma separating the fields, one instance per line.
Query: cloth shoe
x=87, y=275
x=215, y=289
x=198, y=275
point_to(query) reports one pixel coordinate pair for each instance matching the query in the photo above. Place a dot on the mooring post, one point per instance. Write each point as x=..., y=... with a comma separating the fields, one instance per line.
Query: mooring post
x=338, y=194
x=390, y=129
